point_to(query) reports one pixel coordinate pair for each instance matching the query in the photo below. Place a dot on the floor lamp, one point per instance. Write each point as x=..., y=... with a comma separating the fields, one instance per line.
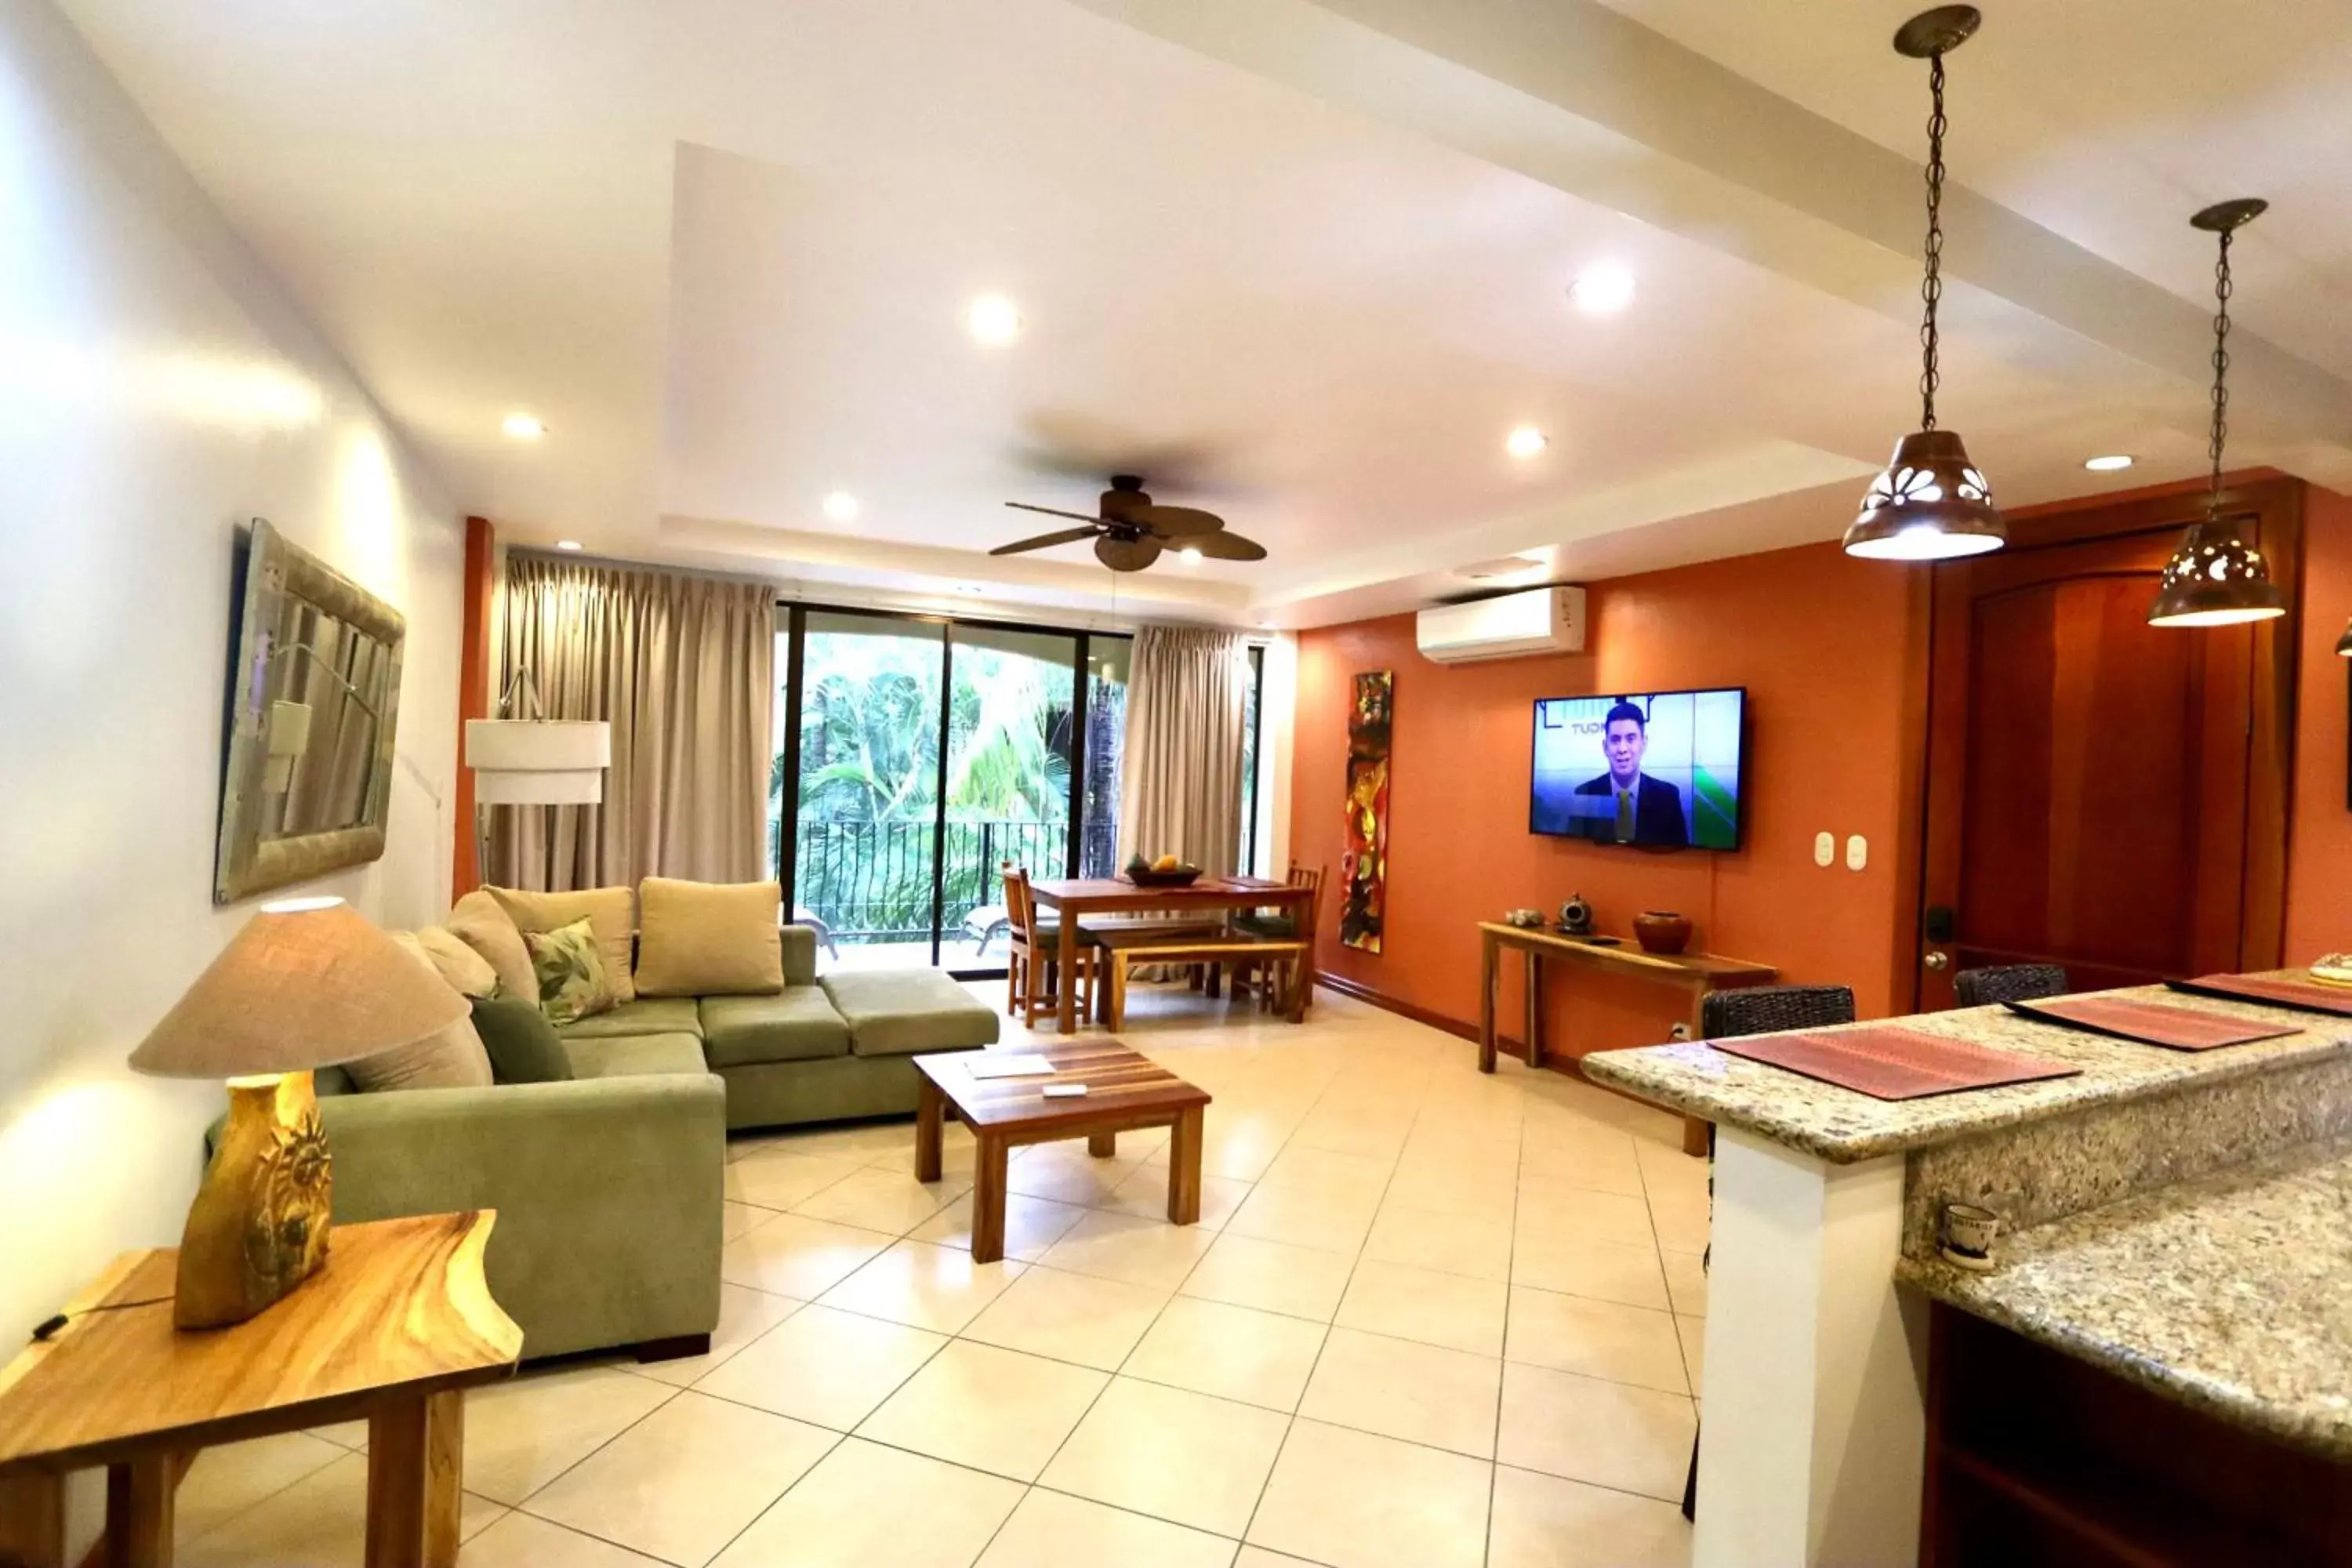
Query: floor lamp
x=531, y=760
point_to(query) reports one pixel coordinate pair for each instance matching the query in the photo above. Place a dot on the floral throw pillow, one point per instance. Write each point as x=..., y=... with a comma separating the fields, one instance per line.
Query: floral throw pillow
x=573, y=982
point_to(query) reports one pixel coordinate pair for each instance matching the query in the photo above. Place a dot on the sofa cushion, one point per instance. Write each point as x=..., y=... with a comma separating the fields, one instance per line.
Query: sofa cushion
x=573, y=980
x=897, y=1012
x=634, y=1056
x=467, y=971
x=646, y=1016
x=524, y=1047
x=612, y=910
x=449, y=1058
x=708, y=939
x=796, y=1024
x=799, y=944
x=482, y=923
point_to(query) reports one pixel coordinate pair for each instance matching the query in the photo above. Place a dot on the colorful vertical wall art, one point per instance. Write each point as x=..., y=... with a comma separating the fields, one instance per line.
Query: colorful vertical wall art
x=1364, y=869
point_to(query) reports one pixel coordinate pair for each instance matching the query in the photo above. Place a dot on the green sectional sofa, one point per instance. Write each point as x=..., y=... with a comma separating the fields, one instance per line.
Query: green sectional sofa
x=819, y=1050
x=610, y=1187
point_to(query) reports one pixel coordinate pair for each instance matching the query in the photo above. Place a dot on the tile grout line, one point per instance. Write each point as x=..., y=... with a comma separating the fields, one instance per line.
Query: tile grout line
x=1355, y=1260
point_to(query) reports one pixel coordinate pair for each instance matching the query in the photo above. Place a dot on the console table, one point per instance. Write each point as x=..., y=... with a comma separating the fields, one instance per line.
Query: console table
x=1694, y=974
x=393, y=1329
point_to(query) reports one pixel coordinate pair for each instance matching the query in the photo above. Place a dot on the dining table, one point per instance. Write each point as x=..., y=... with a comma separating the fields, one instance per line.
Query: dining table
x=1076, y=897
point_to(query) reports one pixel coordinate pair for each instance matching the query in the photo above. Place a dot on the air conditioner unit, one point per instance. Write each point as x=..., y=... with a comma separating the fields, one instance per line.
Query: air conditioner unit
x=1542, y=620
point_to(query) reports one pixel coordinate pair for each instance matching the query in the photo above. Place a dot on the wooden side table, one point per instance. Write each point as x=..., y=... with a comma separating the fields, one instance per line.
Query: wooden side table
x=1695, y=973
x=394, y=1330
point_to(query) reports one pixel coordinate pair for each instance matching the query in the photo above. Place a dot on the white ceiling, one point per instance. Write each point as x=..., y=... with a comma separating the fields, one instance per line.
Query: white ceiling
x=1306, y=262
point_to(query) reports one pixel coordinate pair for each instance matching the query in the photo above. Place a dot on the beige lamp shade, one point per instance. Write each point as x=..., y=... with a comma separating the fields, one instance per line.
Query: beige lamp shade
x=538, y=762
x=307, y=984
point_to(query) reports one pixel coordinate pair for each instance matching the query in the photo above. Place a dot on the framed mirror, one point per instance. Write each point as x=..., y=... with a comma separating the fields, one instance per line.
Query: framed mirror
x=313, y=691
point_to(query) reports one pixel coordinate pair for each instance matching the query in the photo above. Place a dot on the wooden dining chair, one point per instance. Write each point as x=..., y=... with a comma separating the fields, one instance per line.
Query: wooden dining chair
x=1030, y=968
x=1291, y=923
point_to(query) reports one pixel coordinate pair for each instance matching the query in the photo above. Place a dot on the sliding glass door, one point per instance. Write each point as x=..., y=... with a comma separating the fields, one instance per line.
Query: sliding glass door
x=865, y=866
x=920, y=755
x=1010, y=724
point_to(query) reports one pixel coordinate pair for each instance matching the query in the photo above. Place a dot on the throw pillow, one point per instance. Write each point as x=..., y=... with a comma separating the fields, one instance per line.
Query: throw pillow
x=571, y=979
x=483, y=924
x=613, y=910
x=448, y=1059
x=523, y=1045
x=461, y=966
x=708, y=939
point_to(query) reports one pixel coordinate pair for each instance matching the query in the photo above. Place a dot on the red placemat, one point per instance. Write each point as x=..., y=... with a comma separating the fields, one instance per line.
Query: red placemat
x=2308, y=994
x=1893, y=1064
x=2151, y=1022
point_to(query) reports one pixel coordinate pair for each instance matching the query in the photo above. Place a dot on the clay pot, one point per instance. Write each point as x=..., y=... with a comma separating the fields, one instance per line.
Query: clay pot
x=1661, y=931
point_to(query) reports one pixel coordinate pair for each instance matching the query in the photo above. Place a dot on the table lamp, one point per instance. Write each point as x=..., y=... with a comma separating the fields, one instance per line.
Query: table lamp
x=308, y=983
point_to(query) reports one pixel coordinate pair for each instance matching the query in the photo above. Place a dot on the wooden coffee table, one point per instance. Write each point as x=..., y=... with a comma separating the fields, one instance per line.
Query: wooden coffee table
x=1125, y=1091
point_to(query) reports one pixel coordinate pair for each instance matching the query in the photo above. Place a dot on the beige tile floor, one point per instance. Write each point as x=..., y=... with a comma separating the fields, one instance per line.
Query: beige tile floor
x=1428, y=1319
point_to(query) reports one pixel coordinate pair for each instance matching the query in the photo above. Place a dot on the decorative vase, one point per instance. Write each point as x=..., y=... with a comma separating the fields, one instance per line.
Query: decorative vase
x=1662, y=931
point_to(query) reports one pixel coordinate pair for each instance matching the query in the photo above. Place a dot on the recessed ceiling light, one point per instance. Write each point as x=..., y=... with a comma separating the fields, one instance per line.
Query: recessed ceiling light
x=1525, y=442
x=1602, y=288
x=2108, y=464
x=840, y=506
x=1189, y=555
x=994, y=320
x=524, y=427
x=568, y=544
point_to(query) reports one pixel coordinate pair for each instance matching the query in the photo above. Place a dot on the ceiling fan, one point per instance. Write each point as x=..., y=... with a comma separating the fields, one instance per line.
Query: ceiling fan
x=1131, y=529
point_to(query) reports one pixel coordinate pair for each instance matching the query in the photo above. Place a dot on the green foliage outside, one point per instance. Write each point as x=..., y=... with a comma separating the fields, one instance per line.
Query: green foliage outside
x=870, y=770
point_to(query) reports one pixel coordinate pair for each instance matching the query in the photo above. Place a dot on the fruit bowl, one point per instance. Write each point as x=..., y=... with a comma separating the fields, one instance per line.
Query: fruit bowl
x=1174, y=877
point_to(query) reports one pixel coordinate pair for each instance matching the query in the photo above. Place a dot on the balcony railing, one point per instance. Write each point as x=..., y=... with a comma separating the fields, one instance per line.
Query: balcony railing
x=871, y=882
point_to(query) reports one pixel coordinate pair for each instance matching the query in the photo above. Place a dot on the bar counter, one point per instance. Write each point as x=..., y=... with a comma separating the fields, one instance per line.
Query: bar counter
x=2182, y=1219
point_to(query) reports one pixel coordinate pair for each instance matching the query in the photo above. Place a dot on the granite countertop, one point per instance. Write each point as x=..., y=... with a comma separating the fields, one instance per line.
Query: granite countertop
x=1841, y=1126
x=2226, y=1294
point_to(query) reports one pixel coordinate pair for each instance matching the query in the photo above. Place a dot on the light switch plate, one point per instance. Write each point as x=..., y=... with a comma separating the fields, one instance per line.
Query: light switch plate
x=1857, y=853
x=1824, y=849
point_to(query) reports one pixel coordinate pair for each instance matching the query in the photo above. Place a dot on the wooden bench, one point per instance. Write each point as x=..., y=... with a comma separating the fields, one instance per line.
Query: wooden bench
x=1213, y=950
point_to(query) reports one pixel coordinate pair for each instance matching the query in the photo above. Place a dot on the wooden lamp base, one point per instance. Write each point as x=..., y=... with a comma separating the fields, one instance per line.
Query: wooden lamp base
x=258, y=1226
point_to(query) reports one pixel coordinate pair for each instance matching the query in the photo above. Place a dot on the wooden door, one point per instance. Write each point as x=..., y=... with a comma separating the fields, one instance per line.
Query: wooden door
x=2103, y=794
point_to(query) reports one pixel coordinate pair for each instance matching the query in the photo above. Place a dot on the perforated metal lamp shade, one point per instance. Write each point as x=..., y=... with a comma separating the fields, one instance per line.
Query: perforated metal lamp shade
x=1930, y=504
x=2216, y=579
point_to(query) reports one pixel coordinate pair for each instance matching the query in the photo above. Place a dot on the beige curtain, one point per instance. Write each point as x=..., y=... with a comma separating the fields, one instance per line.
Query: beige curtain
x=683, y=668
x=1181, y=782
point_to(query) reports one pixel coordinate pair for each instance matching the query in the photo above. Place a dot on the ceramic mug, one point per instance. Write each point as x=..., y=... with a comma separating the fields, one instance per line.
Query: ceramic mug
x=1968, y=1233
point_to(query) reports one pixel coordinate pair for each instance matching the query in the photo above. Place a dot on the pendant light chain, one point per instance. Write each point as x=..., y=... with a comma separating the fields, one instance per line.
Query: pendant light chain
x=1931, y=286
x=2221, y=289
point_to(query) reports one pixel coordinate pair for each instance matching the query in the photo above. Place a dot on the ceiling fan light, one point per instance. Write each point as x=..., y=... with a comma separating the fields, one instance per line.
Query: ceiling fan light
x=2216, y=579
x=1930, y=503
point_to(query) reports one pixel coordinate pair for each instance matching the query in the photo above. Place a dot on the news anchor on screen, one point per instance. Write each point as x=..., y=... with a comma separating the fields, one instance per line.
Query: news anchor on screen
x=1639, y=809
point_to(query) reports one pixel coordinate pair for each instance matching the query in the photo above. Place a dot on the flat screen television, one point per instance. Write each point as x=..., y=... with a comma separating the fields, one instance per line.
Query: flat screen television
x=1658, y=770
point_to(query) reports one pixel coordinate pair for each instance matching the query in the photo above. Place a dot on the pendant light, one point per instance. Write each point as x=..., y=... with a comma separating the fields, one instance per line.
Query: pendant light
x=2215, y=578
x=1931, y=503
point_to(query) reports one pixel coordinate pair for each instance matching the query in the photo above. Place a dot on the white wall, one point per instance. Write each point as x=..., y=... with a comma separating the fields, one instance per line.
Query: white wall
x=156, y=389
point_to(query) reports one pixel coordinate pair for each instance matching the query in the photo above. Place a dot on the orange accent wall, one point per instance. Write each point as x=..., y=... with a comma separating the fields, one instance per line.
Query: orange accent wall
x=1831, y=650
x=2320, y=850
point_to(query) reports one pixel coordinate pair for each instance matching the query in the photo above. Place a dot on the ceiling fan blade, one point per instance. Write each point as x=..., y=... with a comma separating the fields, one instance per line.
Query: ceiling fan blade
x=1176, y=521
x=1126, y=554
x=1223, y=546
x=1052, y=511
x=1045, y=541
